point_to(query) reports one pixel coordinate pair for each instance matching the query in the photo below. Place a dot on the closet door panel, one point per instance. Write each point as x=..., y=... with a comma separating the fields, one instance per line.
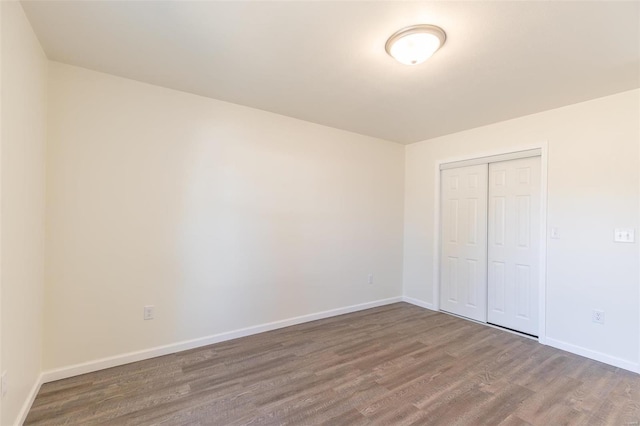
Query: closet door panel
x=513, y=244
x=463, y=256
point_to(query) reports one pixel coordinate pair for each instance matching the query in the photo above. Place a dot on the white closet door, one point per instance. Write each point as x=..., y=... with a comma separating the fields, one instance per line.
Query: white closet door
x=463, y=260
x=514, y=223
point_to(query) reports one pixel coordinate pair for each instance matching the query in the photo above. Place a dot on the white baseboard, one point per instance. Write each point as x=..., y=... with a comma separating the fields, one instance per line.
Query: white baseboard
x=103, y=363
x=418, y=302
x=113, y=361
x=24, y=411
x=558, y=344
x=595, y=355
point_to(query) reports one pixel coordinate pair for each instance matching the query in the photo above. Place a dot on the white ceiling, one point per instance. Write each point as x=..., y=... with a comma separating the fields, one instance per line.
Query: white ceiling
x=325, y=61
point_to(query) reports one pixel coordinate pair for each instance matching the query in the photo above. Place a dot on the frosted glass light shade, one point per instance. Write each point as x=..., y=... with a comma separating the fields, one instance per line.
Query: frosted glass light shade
x=414, y=45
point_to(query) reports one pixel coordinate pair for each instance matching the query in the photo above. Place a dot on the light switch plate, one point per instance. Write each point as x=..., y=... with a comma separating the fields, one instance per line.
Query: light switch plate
x=624, y=235
x=555, y=233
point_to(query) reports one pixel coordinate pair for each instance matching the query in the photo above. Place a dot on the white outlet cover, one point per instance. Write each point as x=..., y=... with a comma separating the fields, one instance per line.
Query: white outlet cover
x=598, y=316
x=624, y=235
x=149, y=312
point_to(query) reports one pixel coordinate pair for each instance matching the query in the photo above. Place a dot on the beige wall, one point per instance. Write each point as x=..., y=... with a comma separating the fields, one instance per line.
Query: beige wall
x=23, y=134
x=593, y=188
x=221, y=216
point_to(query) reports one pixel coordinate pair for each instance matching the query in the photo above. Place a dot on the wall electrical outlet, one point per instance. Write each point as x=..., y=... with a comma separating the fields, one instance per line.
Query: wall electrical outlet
x=624, y=235
x=149, y=312
x=598, y=316
x=4, y=385
x=370, y=279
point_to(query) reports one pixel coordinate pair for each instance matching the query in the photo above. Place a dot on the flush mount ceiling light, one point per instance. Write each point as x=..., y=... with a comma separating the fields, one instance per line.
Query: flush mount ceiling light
x=414, y=45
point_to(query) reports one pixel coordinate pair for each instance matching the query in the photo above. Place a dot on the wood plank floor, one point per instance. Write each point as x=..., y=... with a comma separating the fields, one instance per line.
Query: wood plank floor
x=394, y=365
